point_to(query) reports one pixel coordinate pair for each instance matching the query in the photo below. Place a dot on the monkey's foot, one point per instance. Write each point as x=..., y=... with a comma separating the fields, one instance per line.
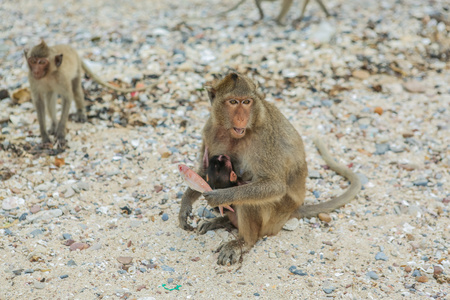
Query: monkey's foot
x=217, y=223
x=60, y=142
x=80, y=117
x=231, y=252
x=52, y=130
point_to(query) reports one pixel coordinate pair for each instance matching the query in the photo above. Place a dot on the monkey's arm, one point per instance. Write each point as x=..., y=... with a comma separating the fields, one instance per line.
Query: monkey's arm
x=307, y=211
x=110, y=86
x=258, y=192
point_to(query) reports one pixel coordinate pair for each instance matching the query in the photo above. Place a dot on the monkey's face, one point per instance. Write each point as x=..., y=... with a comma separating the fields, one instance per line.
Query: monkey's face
x=38, y=67
x=239, y=114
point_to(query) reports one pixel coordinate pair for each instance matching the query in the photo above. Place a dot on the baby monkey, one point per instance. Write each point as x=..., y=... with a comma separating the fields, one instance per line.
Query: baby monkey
x=220, y=175
x=57, y=71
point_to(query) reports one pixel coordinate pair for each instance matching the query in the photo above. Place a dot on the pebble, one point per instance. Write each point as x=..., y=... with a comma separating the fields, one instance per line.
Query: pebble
x=372, y=275
x=71, y=263
x=361, y=74
x=203, y=212
x=314, y=174
x=422, y=279
x=165, y=217
x=36, y=232
x=363, y=178
x=67, y=236
x=29, y=271
x=294, y=270
x=437, y=270
x=408, y=269
x=63, y=276
x=420, y=182
x=167, y=268
x=316, y=194
x=39, y=285
x=12, y=203
x=125, y=260
x=96, y=246
x=381, y=148
x=78, y=246
x=414, y=86
x=416, y=273
x=23, y=217
x=291, y=225
x=324, y=217
x=329, y=290
x=35, y=208
x=381, y=256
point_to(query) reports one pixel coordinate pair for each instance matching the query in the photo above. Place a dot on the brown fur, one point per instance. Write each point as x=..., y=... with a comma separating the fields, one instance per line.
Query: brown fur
x=61, y=75
x=269, y=156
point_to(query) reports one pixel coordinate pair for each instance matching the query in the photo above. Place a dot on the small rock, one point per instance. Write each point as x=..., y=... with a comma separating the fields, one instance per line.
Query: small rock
x=78, y=246
x=329, y=290
x=291, y=225
x=422, y=279
x=12, y=203
x=420, y=182
x=96, y=247
x=381, y=148
x=125, y=260
x=167, y=268
x=69, y=192
x=325, y=217
x=378, y=110
x=327, y=243
x=165, y=217
x=29, y=271
x=363, y=178
x=372, y=275
x=416, y=273
x=314, y=174
x=83, y=185
x=170, y=280
x=63, y=276
x=414, y=86
x=36, y=232
x=17, y=272
x=203, y=212
x=361, y=74
x=437, y=270
x=39, y=285
x=316, y=194
x=35, y=208
x=408, y=269
x=71, y=263
x=67, y=236
x=381, y=256
x=23, y=217
x=4, y=94
x=294, y=270
x=272, y=255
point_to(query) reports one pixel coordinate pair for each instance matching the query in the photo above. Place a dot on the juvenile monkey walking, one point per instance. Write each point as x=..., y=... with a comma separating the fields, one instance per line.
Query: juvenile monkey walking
x=269, y=155
x=57, y=71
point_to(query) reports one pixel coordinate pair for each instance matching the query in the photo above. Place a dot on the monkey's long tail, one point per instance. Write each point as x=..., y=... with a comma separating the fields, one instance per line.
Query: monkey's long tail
x=307, y=211
x=110, y=86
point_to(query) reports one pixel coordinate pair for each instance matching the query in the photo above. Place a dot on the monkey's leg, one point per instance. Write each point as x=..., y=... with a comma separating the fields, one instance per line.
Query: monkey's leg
x=261, y=12
x=79, y=100
x=61, y=130
x=284, y=10
x=39, y=103
x=51, y=109
x=299, y=19
x=323, y=8
x=250, y=222
x=189, y=197
x=216, y=223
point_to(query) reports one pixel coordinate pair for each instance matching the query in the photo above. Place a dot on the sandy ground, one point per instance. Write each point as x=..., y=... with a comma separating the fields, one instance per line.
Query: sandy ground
x=372, y=81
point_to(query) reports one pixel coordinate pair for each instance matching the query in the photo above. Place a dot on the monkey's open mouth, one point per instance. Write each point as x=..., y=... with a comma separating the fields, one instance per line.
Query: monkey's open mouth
x=239, y=131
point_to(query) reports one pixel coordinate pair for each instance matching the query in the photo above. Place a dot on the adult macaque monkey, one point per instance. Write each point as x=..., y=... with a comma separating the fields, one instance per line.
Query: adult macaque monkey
x=268, y=154
x=285, y=5
x=57, y=71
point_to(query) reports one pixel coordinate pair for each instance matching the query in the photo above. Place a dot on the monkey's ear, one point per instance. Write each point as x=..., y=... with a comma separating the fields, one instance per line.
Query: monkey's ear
x=233, y=177
x=58, y=59
x=211, y=93
x=234, y=76
x=205, y=159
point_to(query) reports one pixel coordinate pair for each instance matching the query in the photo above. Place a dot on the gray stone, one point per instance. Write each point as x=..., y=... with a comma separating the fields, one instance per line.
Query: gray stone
x=294, y=270
x=329, y=290
x=165, y=217
x=291, y=225
x=416, y=273
x=39, y=285
x=381, y=148
x=372, y=275
x=36, y=232
x=67, y=236
x=420, y=182
x=203, y=212
x=167, y=268
x=71, y=263
x=381, y=256
x=314, y=174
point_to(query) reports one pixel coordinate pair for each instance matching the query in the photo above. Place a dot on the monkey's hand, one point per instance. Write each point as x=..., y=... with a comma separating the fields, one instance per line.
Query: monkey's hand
x=217, y=197
x=188, y=199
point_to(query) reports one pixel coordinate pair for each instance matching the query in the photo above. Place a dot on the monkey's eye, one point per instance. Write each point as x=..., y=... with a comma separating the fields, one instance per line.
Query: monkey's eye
x=247, y=101
x=233, y=102
x=41, y=62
